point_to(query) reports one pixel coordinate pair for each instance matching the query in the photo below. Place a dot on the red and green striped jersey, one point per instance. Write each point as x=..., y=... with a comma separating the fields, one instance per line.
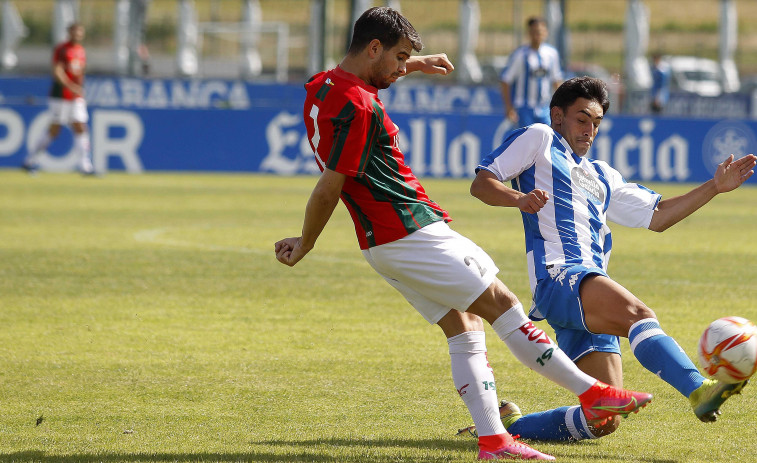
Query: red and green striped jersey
x=74, y=60
x=350, y=133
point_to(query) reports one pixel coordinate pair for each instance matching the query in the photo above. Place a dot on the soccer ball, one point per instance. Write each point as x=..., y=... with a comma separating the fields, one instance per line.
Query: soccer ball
x=728, y=349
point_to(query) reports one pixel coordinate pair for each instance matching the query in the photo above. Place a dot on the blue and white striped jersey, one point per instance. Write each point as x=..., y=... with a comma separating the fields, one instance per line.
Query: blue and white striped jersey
x=583, y=195
x=531, y=74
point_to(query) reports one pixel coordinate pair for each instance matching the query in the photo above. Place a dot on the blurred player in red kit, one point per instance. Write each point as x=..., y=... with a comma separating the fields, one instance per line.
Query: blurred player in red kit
x=67, y=104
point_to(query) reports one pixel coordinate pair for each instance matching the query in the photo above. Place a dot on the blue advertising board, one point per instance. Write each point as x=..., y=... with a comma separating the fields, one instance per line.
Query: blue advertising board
x=220, y=125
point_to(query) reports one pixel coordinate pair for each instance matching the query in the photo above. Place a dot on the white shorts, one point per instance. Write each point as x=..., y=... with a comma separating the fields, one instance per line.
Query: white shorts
x=435, y=268
x=64, y=112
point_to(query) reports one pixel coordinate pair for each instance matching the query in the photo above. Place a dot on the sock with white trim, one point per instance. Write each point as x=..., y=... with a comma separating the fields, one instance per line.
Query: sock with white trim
x=559, y=424
x=474, y=381
x=661, y=354
x=537, y=351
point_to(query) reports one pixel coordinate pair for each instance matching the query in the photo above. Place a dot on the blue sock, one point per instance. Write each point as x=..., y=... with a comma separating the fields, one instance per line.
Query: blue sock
x=660, y=354
x=560, y=424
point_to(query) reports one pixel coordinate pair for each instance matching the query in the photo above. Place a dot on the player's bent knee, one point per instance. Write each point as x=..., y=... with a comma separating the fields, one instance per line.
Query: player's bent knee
x=639, y=311
x=456, y=322
x=54, y=130
x=502, y=294
x=493, y=302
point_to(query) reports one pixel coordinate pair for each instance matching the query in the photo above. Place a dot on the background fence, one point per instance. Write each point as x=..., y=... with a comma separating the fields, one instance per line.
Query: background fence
x=677, y=27
x=222, y=120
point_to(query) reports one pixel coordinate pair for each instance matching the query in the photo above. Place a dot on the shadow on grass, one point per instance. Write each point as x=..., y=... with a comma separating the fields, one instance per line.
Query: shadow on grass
x=453, y=445
x=311, y=450
x=288, y=451
x=438, y=444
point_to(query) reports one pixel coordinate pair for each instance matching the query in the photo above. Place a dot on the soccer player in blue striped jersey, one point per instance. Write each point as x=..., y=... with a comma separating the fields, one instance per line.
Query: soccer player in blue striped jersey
x=530, y=77
x=566, y=201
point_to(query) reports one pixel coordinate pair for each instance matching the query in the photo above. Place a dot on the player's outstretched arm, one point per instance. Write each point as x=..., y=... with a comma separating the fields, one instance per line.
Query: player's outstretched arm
x=321, y=205
x=487, y=187
x=429, y=64
x=729, y=176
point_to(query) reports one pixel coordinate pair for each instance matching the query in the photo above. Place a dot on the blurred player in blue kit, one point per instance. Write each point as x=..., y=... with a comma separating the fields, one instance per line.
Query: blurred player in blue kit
x=566, y=201
x=660, y=84
x=531, y=75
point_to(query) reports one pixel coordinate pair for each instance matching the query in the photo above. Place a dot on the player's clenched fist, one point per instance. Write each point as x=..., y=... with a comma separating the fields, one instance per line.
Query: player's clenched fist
x=533, y=201
x=288, y=251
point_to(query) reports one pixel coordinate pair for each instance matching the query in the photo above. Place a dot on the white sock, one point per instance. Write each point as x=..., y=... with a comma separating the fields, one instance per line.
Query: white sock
x=474, y=381
x=536, y=350
x=81, y=142
x=42, y=143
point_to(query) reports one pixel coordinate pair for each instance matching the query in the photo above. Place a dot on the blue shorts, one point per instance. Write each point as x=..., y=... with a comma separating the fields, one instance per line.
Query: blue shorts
x=557, y=300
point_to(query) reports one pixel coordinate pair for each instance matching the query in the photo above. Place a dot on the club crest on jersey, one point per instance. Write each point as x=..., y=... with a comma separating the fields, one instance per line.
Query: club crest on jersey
x=588, y=185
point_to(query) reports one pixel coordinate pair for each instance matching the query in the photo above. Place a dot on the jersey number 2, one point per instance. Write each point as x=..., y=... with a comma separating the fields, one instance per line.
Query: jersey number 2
x=469, y=259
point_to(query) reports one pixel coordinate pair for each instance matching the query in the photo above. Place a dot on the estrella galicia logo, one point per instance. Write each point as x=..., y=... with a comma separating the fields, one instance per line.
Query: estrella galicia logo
x=588, y=185
x=726, y=138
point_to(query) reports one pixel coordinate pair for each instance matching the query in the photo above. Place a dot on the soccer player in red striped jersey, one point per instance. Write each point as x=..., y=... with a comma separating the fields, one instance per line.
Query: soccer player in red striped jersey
x=67, y=104
x=404, y=235
x=344, y=116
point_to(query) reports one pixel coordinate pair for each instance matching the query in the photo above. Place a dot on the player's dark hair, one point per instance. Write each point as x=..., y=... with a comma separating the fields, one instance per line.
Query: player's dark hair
x=581, y=87
x=385, y=24
x=536, y=20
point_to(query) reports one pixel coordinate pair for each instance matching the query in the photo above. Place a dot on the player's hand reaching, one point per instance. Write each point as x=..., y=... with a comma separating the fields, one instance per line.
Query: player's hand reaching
x=731, y=174
x=429, y=64
x=533, y=201
x=289, y=251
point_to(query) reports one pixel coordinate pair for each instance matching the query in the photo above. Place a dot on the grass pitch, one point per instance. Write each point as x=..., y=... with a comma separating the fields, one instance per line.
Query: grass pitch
x=144, y=318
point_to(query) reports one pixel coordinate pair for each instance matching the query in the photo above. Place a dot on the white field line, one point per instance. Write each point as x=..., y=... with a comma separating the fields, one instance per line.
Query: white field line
x=159, y=236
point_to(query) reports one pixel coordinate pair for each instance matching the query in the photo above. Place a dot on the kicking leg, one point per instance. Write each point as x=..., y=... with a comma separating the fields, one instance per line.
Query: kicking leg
x=536, y=350
x=611, y=308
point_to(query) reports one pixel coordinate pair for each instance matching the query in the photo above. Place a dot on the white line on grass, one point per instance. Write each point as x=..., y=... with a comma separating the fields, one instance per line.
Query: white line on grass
x=158, y=236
